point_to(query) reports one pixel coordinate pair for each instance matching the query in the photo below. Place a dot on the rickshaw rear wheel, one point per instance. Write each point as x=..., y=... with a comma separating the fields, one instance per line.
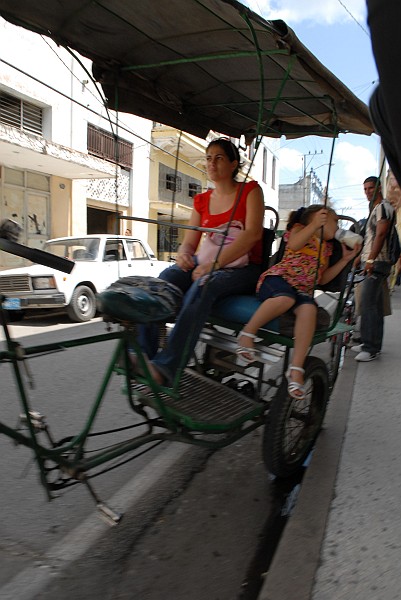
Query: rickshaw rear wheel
x=292, y=426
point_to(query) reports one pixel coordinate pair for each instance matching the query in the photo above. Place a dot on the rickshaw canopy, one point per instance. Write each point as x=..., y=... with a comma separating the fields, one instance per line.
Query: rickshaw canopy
x=199, y=65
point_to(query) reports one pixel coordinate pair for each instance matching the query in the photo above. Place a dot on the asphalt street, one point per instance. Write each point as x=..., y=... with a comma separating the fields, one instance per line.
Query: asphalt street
x=196, y=524
x=189, y=515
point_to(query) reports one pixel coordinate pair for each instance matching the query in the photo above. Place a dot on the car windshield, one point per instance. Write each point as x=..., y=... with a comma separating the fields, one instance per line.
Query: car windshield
x=76, y=249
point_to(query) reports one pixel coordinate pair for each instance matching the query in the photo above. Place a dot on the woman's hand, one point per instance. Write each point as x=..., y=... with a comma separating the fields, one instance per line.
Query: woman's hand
x=201, y=271
x=185, y=261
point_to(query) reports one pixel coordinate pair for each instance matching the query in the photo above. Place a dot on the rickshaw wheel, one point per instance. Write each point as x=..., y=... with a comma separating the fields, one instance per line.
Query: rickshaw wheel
x=293, y=425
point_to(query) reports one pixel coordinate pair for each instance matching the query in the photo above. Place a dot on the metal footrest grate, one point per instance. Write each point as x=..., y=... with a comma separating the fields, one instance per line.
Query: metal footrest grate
x=205, y=405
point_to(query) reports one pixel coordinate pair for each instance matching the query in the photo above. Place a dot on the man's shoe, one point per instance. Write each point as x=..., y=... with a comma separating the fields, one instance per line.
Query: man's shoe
x=358, y=348
x=366, y=356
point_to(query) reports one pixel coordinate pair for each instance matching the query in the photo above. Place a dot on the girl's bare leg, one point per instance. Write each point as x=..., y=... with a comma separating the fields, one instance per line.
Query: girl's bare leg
x=267, y=311
x=304, y=329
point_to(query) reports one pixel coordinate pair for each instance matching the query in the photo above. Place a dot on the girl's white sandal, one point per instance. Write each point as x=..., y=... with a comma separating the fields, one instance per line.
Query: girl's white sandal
x=294, y=386
x=248, y=355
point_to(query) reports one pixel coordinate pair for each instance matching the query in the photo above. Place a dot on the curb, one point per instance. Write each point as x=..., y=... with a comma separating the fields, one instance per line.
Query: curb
x=297, y=558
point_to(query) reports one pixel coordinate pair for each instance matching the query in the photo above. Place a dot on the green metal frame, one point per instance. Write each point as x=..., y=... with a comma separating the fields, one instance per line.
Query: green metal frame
x=174, y=419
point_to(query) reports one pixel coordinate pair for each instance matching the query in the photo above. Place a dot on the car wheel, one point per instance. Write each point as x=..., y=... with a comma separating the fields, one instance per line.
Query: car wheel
x=82, y=306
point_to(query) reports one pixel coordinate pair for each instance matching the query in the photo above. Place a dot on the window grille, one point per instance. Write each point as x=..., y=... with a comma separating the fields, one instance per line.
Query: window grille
x=173, y=183
x=193, y=189
x=102, y=143
x=21, y=114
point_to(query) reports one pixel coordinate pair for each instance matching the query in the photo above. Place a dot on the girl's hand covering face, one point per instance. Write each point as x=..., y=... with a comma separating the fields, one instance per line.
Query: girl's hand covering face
x=319, y=219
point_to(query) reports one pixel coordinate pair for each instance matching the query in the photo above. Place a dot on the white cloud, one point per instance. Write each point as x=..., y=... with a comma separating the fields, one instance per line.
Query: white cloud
x=354, y=162
x=290, y=160
x=296, y=11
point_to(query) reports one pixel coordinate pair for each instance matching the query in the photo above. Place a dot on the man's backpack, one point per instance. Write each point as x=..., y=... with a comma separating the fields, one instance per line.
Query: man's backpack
x=393, y=242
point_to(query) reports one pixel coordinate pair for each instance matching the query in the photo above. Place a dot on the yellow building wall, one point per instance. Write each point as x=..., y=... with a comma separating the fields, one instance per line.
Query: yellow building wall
x=60, y=206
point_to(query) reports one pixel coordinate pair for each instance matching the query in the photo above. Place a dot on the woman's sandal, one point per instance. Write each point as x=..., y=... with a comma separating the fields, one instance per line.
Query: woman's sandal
x=296, y=390
x=248, y=355
x=138, y=370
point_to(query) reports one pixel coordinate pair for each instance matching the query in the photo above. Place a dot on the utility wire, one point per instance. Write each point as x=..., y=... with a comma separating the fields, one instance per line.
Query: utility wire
x=354, y=18
x=98, y=98
x=91, y=110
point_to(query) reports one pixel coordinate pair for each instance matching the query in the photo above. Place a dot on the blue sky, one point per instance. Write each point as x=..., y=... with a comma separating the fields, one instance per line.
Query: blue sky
x=338, y=35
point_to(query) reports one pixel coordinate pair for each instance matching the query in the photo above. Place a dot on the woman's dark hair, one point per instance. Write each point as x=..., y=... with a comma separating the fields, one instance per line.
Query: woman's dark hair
x=229, y=149
x=303, y=215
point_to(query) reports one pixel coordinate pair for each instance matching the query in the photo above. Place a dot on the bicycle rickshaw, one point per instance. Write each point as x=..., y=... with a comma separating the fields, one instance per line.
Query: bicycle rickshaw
x=163, y=72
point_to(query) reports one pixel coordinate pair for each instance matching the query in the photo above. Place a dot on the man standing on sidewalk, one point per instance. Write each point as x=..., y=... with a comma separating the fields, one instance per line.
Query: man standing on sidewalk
x=376, y=265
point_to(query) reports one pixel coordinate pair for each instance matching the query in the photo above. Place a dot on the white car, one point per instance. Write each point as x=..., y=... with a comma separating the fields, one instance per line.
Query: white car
x=100, y=260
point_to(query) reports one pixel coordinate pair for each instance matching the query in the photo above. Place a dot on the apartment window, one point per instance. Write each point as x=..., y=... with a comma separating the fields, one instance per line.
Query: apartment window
x=173, y=183
x=274, y=166
x=264, y=166
x=21, y=114
x=103, y=144
x=193, y=189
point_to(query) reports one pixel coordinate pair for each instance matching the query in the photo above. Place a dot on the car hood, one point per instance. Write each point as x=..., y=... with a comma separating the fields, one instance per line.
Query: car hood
x=32, y=270
x=35, y=270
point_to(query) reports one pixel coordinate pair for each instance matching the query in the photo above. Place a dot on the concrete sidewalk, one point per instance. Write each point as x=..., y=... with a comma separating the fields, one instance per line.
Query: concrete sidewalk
x=343, y=540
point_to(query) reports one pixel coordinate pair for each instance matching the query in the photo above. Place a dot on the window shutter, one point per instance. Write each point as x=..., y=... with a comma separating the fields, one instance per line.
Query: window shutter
x=21, y=114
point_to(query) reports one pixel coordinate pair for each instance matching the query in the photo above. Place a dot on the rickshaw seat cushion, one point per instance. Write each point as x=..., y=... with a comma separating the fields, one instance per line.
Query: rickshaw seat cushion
x=240, y=308
x=140, y=299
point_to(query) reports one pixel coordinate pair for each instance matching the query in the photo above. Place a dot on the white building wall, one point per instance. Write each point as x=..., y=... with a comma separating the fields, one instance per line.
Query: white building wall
x=44, y=74
x=262, y=171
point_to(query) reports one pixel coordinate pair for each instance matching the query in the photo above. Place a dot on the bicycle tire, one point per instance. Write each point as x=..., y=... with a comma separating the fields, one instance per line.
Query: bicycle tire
x=337, y=355
x=292, y=426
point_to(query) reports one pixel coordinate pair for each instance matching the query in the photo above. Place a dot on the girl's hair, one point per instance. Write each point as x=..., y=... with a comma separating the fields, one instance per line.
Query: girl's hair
x=229, y=149
x=303, y=215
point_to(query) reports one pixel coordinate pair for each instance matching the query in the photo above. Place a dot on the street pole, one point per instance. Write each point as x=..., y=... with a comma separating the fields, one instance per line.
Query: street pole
x=312, y=154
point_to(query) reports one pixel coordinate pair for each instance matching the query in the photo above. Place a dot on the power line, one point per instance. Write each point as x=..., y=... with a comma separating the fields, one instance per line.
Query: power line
x=354, y=18
x=91, y=110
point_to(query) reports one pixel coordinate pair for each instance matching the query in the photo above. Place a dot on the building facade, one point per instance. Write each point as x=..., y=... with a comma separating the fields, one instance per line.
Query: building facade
x=304, y=192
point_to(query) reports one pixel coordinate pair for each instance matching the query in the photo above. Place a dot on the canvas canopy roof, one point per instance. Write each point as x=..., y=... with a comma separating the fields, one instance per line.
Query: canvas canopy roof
x=199, y=65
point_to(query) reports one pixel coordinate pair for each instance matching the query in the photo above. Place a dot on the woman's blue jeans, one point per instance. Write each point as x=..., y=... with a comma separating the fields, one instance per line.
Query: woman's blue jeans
x=198, y=300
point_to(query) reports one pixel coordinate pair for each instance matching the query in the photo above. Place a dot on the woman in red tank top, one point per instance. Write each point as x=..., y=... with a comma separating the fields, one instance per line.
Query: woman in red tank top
x=206, y=280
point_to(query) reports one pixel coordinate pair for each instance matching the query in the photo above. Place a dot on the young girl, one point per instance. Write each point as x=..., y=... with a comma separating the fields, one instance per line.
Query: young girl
x=290, y=284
